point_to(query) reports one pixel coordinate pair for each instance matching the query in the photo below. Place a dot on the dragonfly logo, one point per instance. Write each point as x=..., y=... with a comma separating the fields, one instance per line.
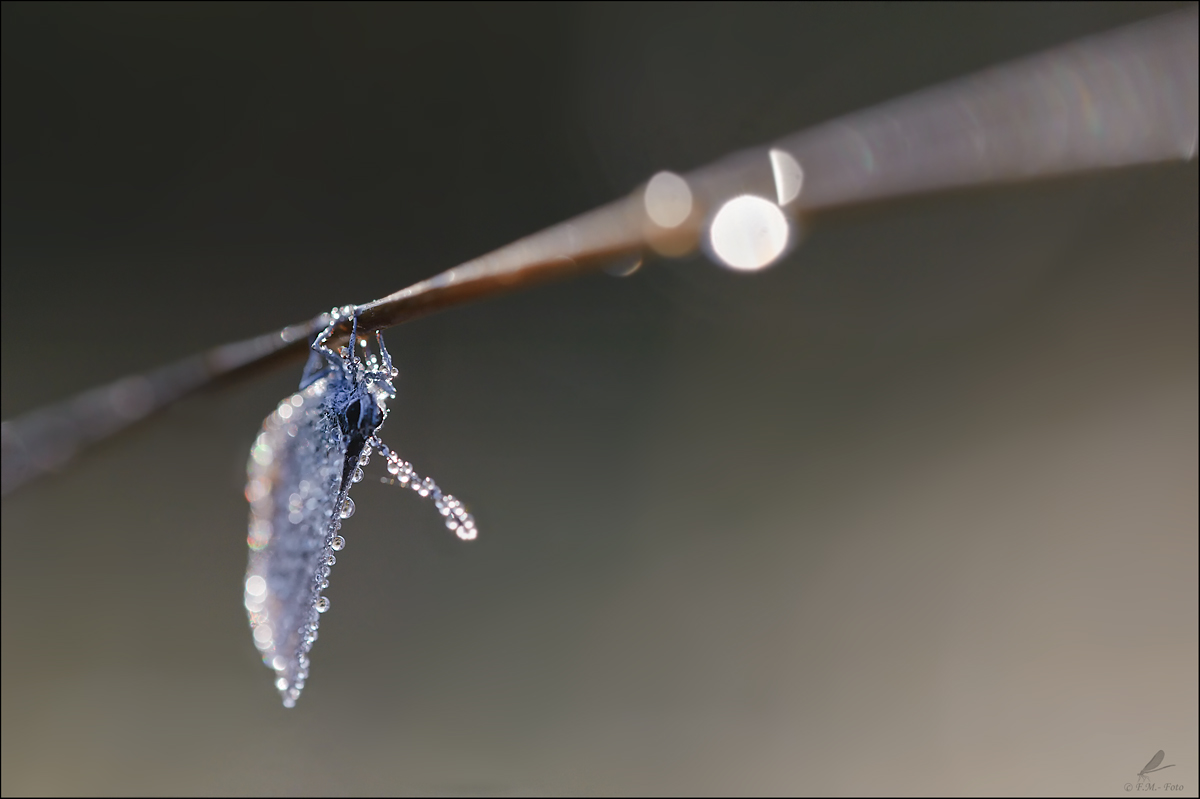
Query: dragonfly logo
x=1153, y=766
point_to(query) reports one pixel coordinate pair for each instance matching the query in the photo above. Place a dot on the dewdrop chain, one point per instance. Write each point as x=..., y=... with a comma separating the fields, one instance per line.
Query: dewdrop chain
x=457, y=519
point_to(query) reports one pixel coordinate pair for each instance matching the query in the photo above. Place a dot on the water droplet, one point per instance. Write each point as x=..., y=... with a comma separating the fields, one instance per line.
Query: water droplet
x=625, y=267
x=281, y=684
x=749, y=233
x=789, y=177
x=322, y=604
x=668, y=200
x=330, y=560
x=365, y=457
x=323, y=584
x=357, y=476
x=337, y=544
x=262, y=454
x=289, y=702
x=257, y=489
x=347, y=509
x=393, y=464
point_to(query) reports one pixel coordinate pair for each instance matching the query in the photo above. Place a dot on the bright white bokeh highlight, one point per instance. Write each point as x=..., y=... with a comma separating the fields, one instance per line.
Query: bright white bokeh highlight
x=625, y=267
x=789, y=177
x=668, y=200
x=749, y=233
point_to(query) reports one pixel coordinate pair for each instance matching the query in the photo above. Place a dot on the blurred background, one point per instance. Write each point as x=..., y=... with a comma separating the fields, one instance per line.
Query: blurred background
x=914, y=511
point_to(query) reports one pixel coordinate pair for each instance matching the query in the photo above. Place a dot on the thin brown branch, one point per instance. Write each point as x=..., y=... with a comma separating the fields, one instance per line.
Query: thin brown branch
x=1122, y=98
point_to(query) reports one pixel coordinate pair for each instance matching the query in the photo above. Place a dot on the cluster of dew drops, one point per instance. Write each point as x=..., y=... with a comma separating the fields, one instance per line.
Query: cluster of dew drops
x=457, y=519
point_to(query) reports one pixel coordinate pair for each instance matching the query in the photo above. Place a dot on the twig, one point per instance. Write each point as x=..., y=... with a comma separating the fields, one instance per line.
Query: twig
x=1122, y=98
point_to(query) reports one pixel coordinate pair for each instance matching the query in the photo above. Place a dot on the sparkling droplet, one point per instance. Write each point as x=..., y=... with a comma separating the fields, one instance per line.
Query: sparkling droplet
x=330, y=560
x=625, y=266
x=337, y=544
x=281, y=684
x=749, y=233
x=393, y=465
x=357, y=476
x=322, y=604
x=347, y=509
x=668, y=200
x=323, y=584
x=365, y=457
x=789, y=176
